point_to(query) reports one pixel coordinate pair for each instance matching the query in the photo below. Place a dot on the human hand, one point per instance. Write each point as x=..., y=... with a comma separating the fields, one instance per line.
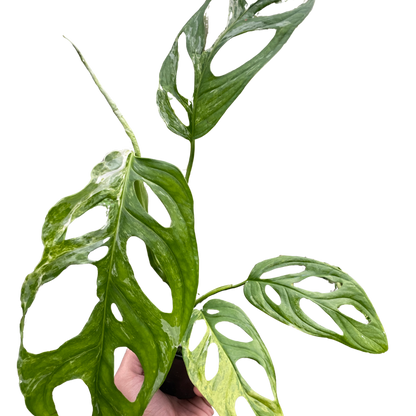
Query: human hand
x=129, y=380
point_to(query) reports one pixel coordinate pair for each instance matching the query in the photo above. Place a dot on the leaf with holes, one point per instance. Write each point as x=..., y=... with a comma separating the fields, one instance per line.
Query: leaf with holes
x=213, y=95
x=368, y=337
x=228, y=384
x=116, y=183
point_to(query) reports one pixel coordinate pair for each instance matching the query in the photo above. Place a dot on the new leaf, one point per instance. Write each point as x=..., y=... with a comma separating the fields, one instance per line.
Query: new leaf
x=213, y=95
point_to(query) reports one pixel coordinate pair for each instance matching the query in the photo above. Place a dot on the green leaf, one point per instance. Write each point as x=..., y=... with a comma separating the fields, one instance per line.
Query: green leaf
x=213, y=95
x=116, y=183
x=368, y=337
x=228, y=384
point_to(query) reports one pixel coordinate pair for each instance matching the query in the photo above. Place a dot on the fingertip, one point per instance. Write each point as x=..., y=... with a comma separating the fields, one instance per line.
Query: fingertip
x=197, y=392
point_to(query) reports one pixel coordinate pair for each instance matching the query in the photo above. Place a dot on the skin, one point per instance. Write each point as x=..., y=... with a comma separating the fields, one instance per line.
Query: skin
x=129, y=380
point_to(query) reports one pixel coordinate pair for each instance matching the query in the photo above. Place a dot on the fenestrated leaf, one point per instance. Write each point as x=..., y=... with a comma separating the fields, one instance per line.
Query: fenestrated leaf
x=368, y=337
x=116, y=183
x=213, y=95
x=228, y=384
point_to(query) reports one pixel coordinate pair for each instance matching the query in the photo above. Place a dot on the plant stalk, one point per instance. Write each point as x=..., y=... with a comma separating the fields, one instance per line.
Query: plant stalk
x=217, y=290
x=191, y=160
x=119, y=115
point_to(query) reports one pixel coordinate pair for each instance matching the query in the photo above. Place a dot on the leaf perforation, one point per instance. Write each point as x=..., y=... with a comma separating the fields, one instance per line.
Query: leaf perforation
x=363, y=318
x=315, y=319
x=257, y=365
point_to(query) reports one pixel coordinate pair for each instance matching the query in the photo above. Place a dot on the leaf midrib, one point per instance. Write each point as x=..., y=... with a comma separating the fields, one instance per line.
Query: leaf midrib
x=109, y=274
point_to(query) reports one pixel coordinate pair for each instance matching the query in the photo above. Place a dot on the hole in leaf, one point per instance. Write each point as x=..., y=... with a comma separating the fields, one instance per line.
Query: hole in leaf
x=185, y=77
x=98, y=253
x=157, y=210
x=316, y=314
x=184, y=85
x=273, y=295
x=243, y=408
x=212, y=365
x=119, y=354
x=92, y=220
x=212, y=311
x=54, y=316
x=115, y=312
x=72, y=398
x=234, y=54
x=315, y=284
x=138, y=263
x=355, y=314
x=156, y=206
x=217, y=19
x=321, y=284
x=238, y=50
x=154, y=267
x=197, y=333
x=181, y=112
x=278, y=5
x=234, y=332
x=256, y=376
x=128, y=387
x=282, y=271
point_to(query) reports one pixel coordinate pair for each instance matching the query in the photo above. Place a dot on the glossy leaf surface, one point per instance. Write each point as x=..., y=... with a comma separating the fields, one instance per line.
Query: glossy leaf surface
x=228, y=384
x=368, y=337
x=213, y=95
x=116, y=183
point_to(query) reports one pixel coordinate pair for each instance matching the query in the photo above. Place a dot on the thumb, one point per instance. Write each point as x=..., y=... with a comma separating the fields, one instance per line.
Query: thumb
x=197, y=392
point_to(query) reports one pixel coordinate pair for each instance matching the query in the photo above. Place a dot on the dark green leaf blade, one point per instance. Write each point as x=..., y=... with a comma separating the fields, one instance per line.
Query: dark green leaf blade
x=116, y=183
x=213, y=95
x=368, y=337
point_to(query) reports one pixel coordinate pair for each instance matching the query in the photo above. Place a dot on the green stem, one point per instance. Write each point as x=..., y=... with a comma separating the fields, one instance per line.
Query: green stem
x=217, y=290
x=191, y=161
x=121, y=118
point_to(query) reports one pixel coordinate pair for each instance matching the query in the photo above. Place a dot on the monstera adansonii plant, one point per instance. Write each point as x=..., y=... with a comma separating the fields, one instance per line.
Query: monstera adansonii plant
x=117, y=183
